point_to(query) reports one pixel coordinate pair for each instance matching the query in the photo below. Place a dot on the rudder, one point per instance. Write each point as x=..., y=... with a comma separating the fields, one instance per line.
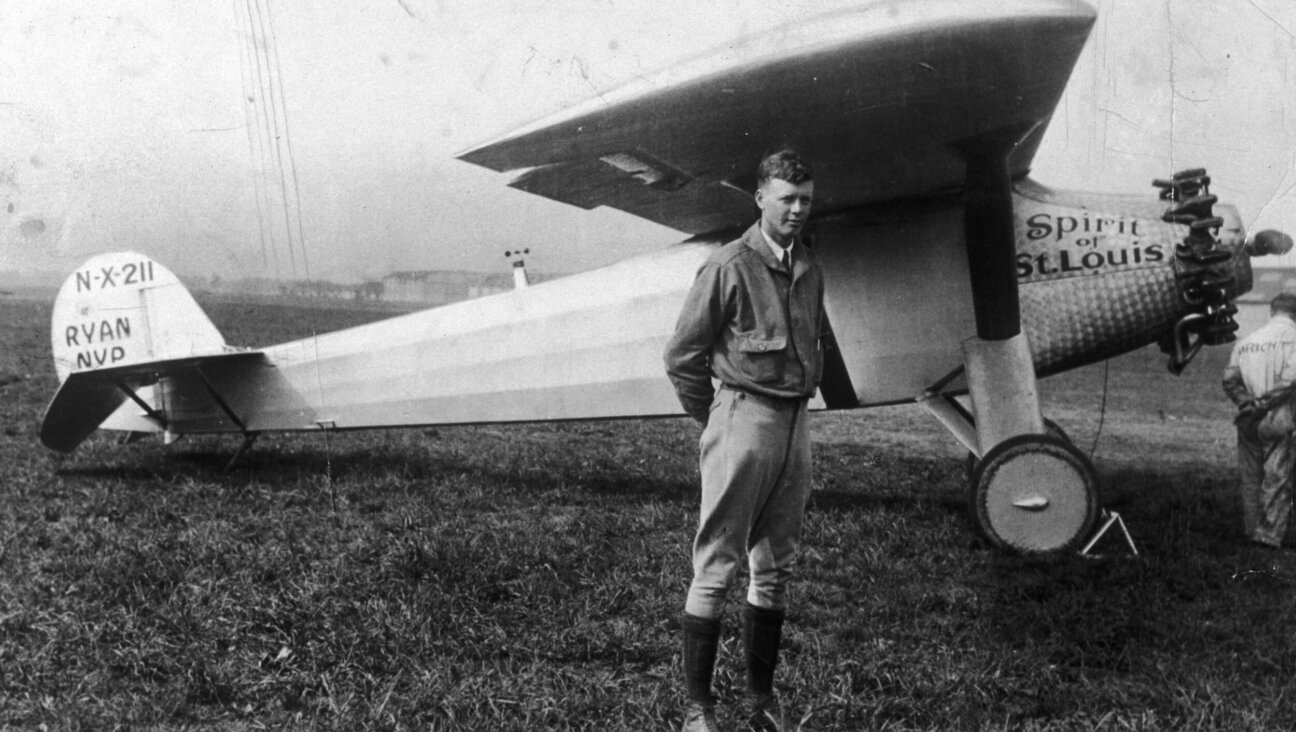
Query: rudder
x=123, y=308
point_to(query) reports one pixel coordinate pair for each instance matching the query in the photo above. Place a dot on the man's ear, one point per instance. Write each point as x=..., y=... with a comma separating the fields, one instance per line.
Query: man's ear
x=759, y=196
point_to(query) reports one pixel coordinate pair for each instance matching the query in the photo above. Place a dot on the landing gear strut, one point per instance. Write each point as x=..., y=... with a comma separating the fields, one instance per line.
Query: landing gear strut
x=1034, y=494
x=1031, y=492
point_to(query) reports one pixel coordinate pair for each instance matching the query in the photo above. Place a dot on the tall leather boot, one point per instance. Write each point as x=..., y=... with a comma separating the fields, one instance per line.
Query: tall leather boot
x=701, y=643
x=762, y=633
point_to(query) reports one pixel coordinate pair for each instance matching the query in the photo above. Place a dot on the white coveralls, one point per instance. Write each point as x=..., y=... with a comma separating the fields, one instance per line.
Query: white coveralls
x=1262, y=364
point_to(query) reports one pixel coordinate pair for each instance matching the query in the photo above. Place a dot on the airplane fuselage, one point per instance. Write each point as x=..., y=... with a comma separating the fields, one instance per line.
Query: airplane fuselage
x=1097, y=277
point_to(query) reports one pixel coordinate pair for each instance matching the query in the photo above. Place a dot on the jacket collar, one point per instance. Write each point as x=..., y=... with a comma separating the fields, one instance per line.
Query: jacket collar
x=753, y=239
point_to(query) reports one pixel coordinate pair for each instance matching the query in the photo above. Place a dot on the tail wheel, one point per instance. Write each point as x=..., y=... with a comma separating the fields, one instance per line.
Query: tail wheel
x=1035, y=494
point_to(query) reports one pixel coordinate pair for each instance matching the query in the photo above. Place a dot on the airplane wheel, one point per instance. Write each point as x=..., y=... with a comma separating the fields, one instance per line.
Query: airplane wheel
x=1035, y=494
x=1053, y=428
x=1050, y=427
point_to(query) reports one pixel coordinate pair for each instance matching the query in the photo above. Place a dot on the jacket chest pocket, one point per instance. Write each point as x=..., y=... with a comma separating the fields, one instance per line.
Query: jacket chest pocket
x=762, y=359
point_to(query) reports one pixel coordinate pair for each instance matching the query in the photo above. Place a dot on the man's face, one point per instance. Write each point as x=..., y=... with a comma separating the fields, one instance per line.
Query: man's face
x=784, y=208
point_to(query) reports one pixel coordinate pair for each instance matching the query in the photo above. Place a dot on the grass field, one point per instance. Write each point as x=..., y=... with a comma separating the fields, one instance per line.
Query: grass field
x=531, y=577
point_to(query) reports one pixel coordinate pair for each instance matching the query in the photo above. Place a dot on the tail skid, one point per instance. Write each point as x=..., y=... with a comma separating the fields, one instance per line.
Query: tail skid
x=121, y=323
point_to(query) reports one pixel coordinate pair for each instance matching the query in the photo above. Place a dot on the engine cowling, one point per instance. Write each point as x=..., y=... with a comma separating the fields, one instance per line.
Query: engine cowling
x=1104, y=274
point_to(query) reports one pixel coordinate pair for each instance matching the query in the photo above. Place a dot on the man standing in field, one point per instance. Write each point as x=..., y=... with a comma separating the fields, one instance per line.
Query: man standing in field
x=1259, y=379
x=752, y=321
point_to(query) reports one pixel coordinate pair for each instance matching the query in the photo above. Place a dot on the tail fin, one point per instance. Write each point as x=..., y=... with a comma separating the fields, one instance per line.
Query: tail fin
x=118, y=311
x=123, y=309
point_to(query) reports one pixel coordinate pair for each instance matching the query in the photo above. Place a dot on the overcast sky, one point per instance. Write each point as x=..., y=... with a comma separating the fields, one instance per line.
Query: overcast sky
x=146, y=125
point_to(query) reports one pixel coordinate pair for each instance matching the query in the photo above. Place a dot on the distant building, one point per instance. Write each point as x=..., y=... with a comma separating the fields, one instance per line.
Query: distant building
x=371, y=290
x=256, y=286
x=318, y=290
x=422, y=288
x=441, y=287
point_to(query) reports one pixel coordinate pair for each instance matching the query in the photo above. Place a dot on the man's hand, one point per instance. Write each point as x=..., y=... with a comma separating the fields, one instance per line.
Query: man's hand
x=701, y=418
x=1250, y=409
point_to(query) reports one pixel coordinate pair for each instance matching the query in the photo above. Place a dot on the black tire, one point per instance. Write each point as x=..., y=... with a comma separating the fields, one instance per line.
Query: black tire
x=1050, y=428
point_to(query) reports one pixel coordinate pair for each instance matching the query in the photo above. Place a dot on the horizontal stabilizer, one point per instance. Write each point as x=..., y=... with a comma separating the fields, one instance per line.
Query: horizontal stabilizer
x=87, y=398
x=76, y=411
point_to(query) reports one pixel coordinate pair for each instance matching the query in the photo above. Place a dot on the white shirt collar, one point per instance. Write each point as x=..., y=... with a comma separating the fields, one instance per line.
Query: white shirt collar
x=773, y=245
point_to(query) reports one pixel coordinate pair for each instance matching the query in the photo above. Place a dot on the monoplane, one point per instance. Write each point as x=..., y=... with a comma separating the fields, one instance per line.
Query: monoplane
x=954, y=280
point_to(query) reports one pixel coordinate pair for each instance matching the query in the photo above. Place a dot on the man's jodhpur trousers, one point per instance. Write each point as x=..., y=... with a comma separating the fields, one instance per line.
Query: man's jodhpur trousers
x=1265, y=468
x=755, y=465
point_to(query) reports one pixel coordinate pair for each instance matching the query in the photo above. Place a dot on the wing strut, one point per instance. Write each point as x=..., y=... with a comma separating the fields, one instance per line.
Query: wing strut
x=152, y=413
x=249, y=437
x=950, y=411
x=220, y=402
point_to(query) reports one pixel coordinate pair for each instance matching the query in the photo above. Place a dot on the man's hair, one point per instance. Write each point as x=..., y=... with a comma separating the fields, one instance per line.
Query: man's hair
x=786, y=165
x=1284, y=303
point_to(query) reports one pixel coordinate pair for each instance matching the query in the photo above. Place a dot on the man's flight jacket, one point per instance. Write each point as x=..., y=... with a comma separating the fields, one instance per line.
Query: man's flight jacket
x=749, y=324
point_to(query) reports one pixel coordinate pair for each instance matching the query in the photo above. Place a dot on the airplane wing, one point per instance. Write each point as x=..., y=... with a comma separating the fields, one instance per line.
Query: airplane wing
x=880, y=98
x=87, y=398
